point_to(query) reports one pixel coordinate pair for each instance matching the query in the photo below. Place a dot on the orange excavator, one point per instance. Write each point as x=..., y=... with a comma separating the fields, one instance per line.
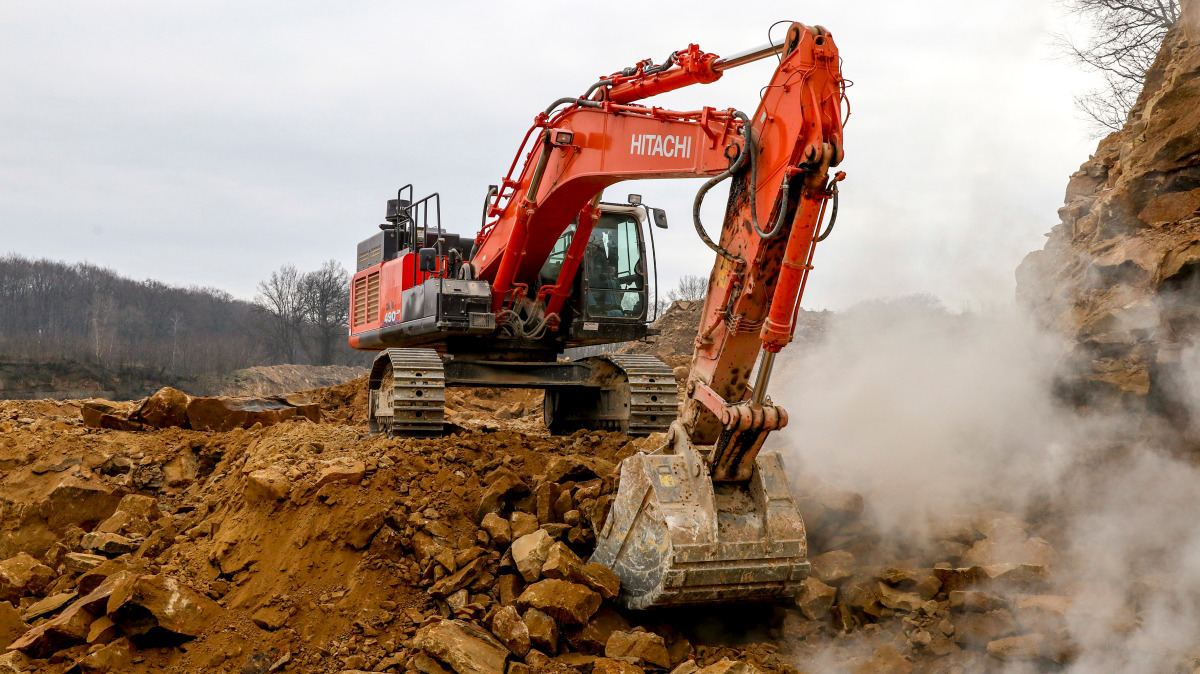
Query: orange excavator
x=707, y=517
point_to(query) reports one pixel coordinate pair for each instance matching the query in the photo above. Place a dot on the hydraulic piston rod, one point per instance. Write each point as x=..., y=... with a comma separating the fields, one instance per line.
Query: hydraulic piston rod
x=749, y=56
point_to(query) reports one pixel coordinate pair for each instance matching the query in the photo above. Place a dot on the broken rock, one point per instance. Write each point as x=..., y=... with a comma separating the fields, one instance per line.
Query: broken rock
x=529, y=553
x=166, y=408
x=815, y=598
x=566, y=602
x=108, y=544
x=22, y=575
x=162, y=602
x=267, y=484
x=498, y=530
x=11, y=625
x=341, y=469
x=508, y=627
x=466, y=648
x=543, y=631
x=644, y=646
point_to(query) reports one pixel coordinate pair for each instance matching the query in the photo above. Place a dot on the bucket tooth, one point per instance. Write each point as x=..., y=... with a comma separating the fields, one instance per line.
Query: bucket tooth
x=674, y=538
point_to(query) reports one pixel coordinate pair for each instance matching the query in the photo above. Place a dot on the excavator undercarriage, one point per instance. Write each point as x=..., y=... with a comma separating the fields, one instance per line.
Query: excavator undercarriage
x=632, y=394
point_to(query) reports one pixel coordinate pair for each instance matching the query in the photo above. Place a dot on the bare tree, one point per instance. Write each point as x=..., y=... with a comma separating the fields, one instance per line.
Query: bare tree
x=326, y=301
x=281, y=298
x=1126, y=35
x=690, y=287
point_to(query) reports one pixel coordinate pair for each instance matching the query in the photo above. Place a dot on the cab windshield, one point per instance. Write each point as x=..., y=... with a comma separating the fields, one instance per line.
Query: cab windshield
x=614, y=279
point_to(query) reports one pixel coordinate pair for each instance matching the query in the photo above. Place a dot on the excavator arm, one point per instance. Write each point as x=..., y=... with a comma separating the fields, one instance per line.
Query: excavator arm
x=779, y=162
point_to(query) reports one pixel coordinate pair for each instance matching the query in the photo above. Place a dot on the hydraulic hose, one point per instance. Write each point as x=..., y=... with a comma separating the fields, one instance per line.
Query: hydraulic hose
x=746, y=153
x=712, y=182
x=832, y=212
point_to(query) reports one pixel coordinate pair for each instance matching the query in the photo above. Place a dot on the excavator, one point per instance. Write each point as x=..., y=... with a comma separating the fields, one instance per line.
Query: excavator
x=708, y=516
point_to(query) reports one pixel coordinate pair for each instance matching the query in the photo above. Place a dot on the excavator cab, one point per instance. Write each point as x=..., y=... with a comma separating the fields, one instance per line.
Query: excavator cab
x=612, y=285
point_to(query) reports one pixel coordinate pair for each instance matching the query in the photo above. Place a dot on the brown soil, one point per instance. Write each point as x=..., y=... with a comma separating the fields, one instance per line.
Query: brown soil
x=335, y=577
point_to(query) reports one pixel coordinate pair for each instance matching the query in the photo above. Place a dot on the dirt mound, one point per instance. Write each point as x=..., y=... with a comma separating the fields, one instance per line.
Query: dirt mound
x=280, y=379
x=312, y=547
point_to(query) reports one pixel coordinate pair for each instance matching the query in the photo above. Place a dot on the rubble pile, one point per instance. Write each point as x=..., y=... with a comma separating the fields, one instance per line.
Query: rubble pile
x=312, y=547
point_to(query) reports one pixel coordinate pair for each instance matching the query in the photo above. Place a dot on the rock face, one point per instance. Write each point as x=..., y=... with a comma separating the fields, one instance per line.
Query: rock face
x=1119, y=273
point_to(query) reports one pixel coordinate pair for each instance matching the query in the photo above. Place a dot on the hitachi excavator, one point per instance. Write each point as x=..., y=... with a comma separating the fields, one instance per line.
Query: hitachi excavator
x=706, y=517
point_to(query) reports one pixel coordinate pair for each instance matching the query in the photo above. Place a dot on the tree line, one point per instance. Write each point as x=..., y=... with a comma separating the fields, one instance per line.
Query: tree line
x=52, y=311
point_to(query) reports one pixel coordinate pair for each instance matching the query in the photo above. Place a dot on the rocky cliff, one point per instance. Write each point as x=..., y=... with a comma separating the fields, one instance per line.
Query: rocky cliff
x=1120, y=272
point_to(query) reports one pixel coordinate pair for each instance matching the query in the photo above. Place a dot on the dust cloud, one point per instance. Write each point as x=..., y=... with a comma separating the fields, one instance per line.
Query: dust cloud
x=933, y=415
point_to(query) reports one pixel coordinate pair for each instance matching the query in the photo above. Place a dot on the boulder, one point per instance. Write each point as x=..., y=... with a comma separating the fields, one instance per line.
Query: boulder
x=815, y=598
x=126, y=524
x=509, y=587
x=465, y=648
x=105, y=414
x=832, y=567
x=543, y=631
x=11, y=625
x=96, y=576
x=272, y=616
x=42, y=608
x=151, y=602
x=142, y=506
x=166, y=408
x=522, y=524
x=364, y=529
x=66, y=629
x=344, y=469
x=102, y=631
x=593, y=637
x=498, y=529
x=899, y=600
x=225, y=414
x=181, y=469
x=646, y=647
x=568, y=603
x=15, y=662
x=503, y=486
x=562, y=563
x=600, y=578
x=507, y=626
x=267, y=485
x=460, y=579
x=979, y=629
x=81, y=504
x=108, y=544
x=23, y=575
x=530, y=552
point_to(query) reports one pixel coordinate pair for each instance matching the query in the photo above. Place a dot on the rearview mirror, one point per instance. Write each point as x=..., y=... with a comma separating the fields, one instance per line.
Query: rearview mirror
x=427, y=260
x=660, y=217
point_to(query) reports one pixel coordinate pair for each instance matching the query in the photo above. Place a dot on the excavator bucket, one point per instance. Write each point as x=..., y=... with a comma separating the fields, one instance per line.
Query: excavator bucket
x=675, y=538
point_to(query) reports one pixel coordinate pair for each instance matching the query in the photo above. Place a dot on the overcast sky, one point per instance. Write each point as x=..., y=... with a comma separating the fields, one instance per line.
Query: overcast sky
x=209, y=143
